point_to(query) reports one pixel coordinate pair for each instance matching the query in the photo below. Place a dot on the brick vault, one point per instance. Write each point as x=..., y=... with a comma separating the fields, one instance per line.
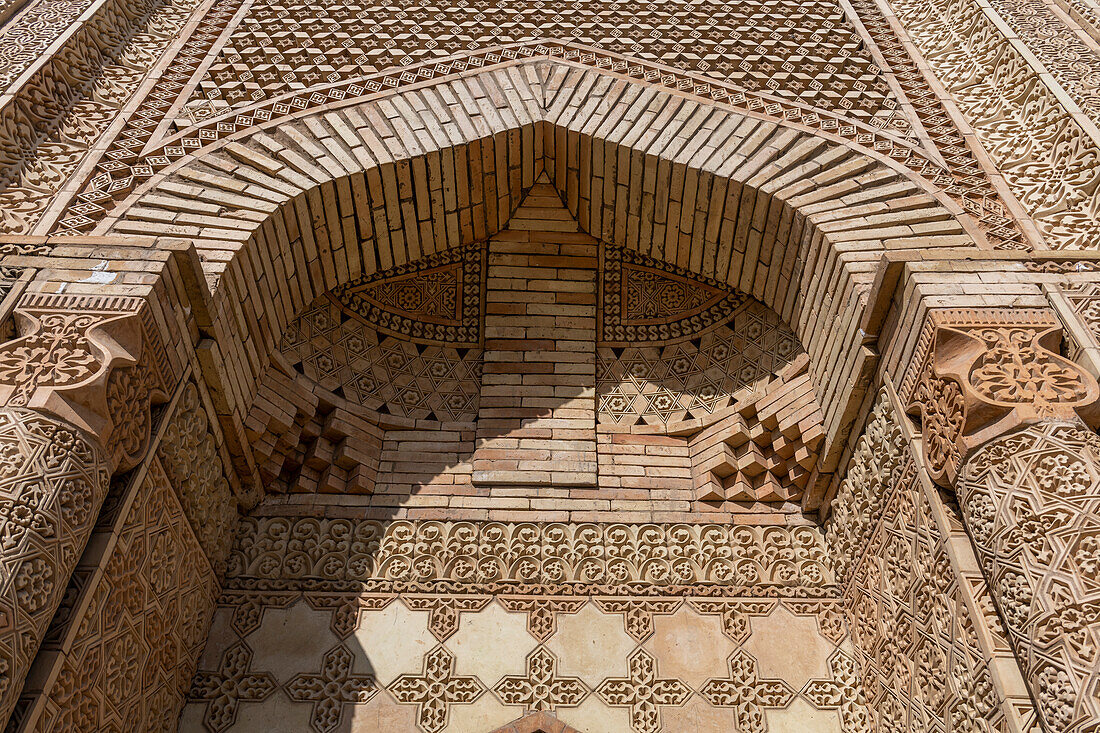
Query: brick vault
x=553, y=366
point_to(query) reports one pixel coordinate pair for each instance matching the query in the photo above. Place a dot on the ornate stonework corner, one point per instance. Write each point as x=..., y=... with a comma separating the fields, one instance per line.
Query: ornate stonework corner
x=980, y=373
x=96, y=362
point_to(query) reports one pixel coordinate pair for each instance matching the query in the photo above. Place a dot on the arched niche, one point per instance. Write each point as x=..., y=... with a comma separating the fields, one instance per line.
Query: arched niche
x=797, y=219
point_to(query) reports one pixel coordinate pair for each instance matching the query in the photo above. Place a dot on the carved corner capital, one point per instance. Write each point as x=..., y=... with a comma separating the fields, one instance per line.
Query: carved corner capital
x=96, y=362
x=979, y=373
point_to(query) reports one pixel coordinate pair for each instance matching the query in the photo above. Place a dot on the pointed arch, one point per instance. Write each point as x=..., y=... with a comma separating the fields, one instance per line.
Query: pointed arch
x=285, y=212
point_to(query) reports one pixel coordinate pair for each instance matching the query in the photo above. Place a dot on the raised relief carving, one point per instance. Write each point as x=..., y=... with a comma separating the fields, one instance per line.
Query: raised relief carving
x=1049, y=161
x=644, y=692
x=646, y=300
x=234, y=682
x=842, y=86
x=194, y=467
x=436, y=299
x=129, y=659
x=745, y=691
x=435, y=690
x=330, y=689
x=541, y=688
x=63, y=109
x=1031, y=500
x=984, y=372
x=908, y=611
x=98, y=363
x=53, y=479
x=495, y=557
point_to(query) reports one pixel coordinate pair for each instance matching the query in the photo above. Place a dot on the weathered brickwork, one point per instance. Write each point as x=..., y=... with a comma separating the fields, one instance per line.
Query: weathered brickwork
x=560, y=367
x=716, y=417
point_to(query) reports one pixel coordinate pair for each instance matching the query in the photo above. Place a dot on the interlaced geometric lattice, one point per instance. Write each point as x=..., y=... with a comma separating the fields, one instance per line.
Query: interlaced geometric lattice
x=804, y=51
x=661, y=384
x=382, y=373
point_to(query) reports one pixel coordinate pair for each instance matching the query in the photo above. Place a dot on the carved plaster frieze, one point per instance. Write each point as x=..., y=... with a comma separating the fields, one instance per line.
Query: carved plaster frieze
x=501, y=557
x=980, y=373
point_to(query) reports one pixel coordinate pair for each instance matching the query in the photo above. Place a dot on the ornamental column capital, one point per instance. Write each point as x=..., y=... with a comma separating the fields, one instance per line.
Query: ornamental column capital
x=95, y=362
x=977, y=374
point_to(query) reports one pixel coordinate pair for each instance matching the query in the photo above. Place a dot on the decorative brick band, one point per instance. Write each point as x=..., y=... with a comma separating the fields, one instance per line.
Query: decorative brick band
x=491, y=556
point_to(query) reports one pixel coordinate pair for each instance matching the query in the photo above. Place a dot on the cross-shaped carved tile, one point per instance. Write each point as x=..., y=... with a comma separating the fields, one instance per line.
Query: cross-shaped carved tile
x=749, y=695
x=435, y=689
x=734, y=613
x=843, y=693
x=232, y=684
x=645, y=692
x=445, y=611
x=542, y=613
x=541, y=688
x=638, y=613
x=329, y=689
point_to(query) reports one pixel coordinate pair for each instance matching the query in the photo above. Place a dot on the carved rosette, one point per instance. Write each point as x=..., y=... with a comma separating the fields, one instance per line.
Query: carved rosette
x=53, y=479
x=983, y=373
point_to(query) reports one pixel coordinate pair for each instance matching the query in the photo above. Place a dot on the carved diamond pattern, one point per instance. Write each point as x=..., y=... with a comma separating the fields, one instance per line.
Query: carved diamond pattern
x=804, y=51
x=690, y=379
x=380, y=372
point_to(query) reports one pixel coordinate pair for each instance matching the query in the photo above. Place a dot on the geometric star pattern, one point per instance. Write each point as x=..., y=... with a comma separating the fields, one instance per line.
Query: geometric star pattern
x=659, y=384
x=665, y=688
x=807, y=52
x=383, y=373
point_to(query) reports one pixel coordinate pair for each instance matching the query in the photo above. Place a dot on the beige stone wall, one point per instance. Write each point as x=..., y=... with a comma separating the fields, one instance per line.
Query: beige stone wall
x=633, y=627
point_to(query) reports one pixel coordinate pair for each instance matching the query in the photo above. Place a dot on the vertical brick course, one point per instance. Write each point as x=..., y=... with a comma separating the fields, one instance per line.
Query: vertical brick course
x=537, y=422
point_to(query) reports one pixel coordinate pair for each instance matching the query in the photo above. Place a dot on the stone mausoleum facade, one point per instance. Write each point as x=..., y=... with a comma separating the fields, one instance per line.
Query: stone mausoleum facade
x=564, y=366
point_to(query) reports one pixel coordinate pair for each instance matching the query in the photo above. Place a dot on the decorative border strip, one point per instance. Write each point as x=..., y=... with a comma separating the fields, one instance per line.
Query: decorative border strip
x=118, y=177
x=544, y=557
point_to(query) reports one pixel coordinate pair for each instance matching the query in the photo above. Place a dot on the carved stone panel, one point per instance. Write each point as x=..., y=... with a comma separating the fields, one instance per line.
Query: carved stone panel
x=1031, y=500
x=130, y=654
x=53, y=479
